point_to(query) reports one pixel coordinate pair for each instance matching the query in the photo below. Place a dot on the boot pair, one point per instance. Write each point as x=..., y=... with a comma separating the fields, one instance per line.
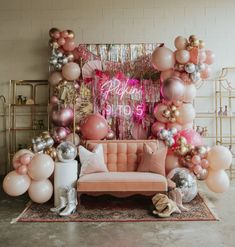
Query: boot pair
x=68, y=202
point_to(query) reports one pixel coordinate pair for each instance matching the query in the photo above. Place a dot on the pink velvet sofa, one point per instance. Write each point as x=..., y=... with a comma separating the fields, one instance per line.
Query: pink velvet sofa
x=121, y=157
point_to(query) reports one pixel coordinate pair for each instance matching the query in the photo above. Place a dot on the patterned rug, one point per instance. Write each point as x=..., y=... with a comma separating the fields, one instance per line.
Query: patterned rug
x=111, y=209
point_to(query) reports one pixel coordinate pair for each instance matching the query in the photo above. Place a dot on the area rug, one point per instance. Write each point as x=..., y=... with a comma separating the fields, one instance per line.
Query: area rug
x=111, y=209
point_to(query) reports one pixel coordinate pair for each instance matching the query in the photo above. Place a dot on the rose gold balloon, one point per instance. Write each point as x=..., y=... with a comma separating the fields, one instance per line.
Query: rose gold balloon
x=158, y=113
x=204, y=163
x=187, y=114
x=71, y=34
x=74, y=138
x=94, y=127
x=63, y=116
x=25, y=159
x=180, y=42
x=156, y=127
x=61, y=41
x=69, y=45
x=22, y=170
x=15, y=184
x=110, y=135
x=19, y=153
x=40, y=191
x=64, y=34
x=59, y=134
x=189, y=93
x=54, y=78
x=163, y=59
x=41, y=167
x=173, y=89
x=52, y=31
x=182, y=56
x=71, y=71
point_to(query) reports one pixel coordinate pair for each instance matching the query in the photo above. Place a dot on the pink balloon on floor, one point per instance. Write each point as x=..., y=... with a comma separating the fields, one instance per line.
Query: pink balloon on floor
x=41, y=167
x=171, y=162
x=15, y=184
x=217, y=181
x=40, y=191
x=219, y=157
x=163, y=58
x=186, y=114
x=54, y=78
x=156, y=127
x=158, y=111
x=192, y=137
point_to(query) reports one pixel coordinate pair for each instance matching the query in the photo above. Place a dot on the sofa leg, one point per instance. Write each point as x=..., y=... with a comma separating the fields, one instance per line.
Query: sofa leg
x=79, y=199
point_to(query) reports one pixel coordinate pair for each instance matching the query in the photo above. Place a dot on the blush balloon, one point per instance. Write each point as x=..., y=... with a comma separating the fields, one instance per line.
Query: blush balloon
x=71, y=71
x=94, y=127
x=63, y=116
x=54, y=78
x=59, y=134
x=69, y=45
x=25, y=159
x=206, y=73
x=156, y=127
x=74, y=138
x=166, y=74
x=22, y=170
x=163, y=59
x=189, y=93
x=186, y=114
x=19, y=153
x=210, y=57
x=158, y=111
x=180, y=42
x=182, y=56
x=173, y=89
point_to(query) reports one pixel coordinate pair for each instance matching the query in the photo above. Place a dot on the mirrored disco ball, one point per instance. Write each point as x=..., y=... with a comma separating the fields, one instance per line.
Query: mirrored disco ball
x=66, y=151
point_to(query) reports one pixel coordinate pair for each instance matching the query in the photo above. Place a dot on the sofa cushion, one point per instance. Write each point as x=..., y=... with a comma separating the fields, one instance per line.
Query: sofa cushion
x=92, y=162
x=122, y=182
x=153, y=158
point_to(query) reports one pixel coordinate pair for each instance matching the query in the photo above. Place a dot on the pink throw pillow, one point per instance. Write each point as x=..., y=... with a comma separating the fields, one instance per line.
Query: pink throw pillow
x=153, y=158
x=92, y=162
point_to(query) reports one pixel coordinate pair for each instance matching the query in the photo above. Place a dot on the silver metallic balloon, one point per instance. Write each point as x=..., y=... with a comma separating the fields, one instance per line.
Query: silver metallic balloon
x=163, y=134
x=66, y=151
x=202, y=174
x=189, y=68
x=173, y=131
x=170, y=141
x=185, y=181
x=201, y=66
x=195, y=76
x=49, y=142
x=39, y=146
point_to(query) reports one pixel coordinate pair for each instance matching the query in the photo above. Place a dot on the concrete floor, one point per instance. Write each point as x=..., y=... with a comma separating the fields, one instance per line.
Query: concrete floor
x=164, y=234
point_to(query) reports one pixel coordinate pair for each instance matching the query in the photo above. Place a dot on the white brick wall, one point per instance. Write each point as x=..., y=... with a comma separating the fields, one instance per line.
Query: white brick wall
x=24, y=28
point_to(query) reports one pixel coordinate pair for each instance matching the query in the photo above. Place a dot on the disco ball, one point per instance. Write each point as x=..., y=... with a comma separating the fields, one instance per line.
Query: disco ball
x=66, y=151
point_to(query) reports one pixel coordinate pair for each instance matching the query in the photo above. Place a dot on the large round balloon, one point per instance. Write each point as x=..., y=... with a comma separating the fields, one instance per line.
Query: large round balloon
x=173, y=89
x=182, y=56
x=186, y=114
x=59, y=134
x=94, y=127
x=189, y=93
x=54, y=78
x=71, y=71
x=217, y=181
x=180, y=42
x=186, y=181
x=63, y=116
x=41, y=167
x=219, y=157
x=40, y=191
x=163, y=58
x=15, y=184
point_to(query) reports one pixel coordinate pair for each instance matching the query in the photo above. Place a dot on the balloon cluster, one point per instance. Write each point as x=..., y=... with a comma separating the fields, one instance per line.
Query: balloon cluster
x=58, y=59
x=171, y=113
x=167, y=136
x=32, y=173
x=44, y=141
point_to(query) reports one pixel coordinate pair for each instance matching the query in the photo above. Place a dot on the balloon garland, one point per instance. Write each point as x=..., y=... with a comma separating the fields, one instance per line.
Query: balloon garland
x=180, y=70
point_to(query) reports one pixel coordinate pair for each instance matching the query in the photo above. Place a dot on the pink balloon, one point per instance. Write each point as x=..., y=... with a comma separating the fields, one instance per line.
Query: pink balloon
x=187, y=126
x=61, y=41
x=206, y=73
x=192, y=137
x=171, y=162
x=41, y=167
x=182, y=56
x=64, y=34
x=197, y=56
x=197, y=169
x=196, y=159
x=54, y=78
x=63, y=116
x=94, y=127
x=166, y=74
x=186, y=114
x=180, y=43
x=189, y=93
x=15, y=184
x=156, y=127
x=22, y=170
x=158, y=111
x=25, y=159
x=74, y=138
x=40, y=191
x=59, y=134
x=16, y=164
x=219, y=157
x=173, y=89
x=204, y=163
x=56, y=34
x=185, y=77
x=21, y=152
x=163, y=58
x=69, y=45
x=217, y=181
x=71, y=71
x=54, y=100
x=210, y=57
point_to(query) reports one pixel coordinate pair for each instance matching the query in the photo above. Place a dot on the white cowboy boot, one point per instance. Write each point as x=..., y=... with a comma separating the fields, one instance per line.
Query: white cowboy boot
x=63, y=201
x=72, y=203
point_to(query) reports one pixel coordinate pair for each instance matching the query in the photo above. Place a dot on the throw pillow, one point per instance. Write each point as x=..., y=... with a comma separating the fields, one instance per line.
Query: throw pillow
x=92, y=162
x=153, y=158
